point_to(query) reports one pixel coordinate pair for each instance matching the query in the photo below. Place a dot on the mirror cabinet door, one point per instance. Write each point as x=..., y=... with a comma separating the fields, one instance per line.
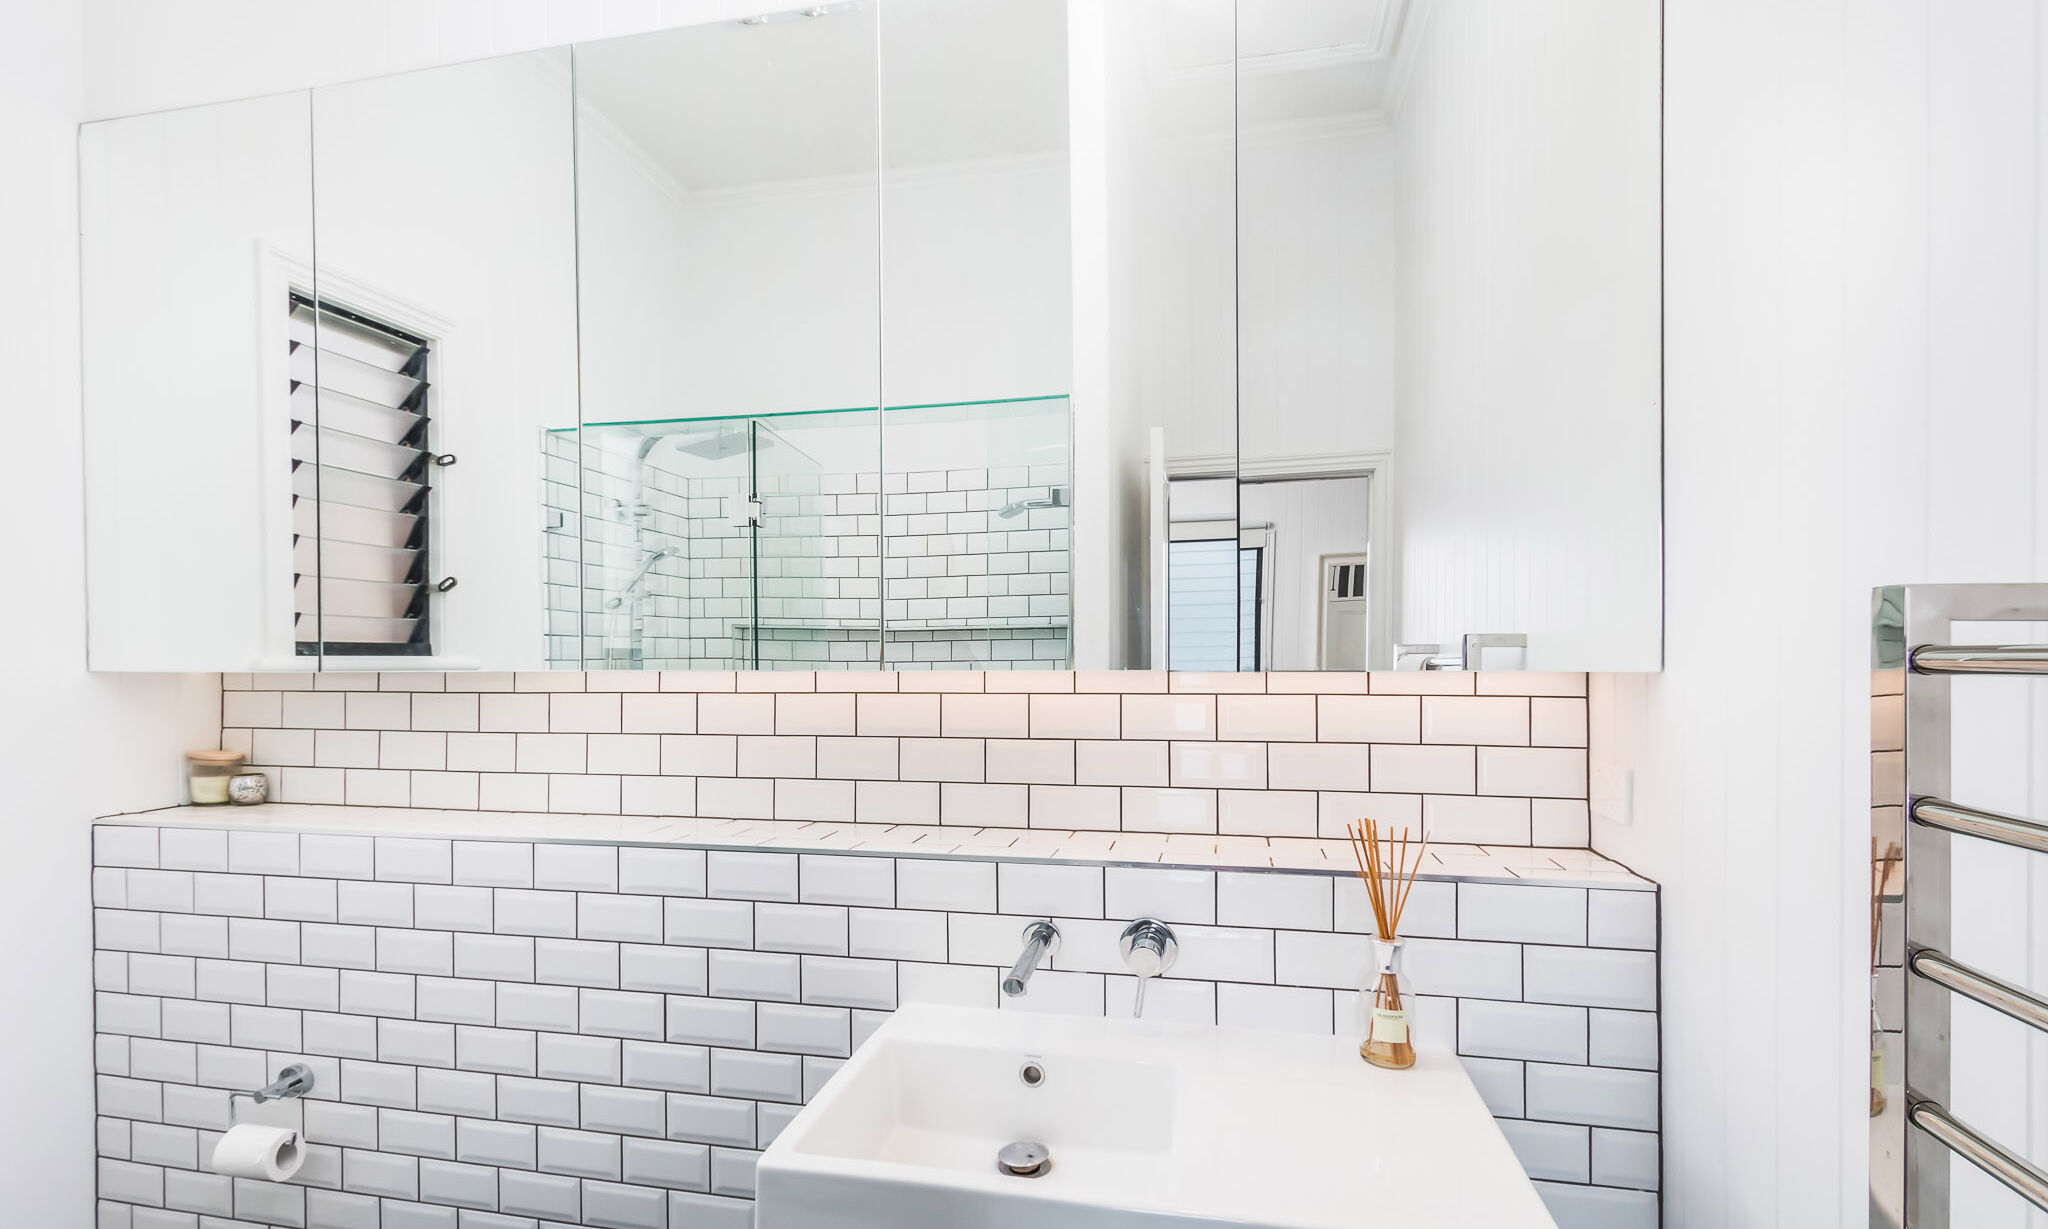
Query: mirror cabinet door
x=444, y=306
x=978, y=325
x=1162, y=108
x=729, y=468
x=1449, y=316
x=196, y=228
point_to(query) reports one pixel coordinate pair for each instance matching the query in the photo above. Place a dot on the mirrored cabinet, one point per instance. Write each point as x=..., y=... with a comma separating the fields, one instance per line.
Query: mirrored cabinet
x=897, y=334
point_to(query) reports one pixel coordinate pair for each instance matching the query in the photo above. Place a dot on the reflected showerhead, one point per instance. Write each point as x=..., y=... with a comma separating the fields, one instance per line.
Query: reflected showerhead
x=727, y=443
x=1056, y=498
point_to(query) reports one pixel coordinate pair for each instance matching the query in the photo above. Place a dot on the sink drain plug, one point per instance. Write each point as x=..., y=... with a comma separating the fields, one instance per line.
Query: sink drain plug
x=1025, y=1159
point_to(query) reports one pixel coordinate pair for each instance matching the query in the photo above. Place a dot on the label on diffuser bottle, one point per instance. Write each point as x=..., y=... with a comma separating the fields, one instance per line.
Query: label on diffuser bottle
x=1389, y=1027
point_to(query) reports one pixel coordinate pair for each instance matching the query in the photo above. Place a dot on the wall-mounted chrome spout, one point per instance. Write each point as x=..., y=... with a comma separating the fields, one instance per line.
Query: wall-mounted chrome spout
x=1056, y=498
x=1041, y=942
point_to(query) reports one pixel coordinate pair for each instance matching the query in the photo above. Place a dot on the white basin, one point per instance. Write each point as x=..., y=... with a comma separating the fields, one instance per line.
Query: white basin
x=1148, y=1125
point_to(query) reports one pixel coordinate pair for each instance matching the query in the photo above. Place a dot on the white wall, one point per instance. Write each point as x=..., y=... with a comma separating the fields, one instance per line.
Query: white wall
x=72, y=745
x=1854, y=248
x=1525, y=479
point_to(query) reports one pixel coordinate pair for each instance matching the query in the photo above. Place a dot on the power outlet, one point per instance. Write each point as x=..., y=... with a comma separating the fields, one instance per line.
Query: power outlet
x=1611, y=793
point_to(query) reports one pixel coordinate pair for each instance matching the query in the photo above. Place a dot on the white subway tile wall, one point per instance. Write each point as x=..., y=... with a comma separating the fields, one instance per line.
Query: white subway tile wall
x=516, y=1034
x=1476, y=759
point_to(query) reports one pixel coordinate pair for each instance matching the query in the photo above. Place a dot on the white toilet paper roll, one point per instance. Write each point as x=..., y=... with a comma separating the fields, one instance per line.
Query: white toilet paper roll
x=249, y=1151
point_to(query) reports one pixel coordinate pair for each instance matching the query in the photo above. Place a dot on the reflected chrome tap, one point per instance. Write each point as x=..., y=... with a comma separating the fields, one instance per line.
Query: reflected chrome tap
x=1041, y=941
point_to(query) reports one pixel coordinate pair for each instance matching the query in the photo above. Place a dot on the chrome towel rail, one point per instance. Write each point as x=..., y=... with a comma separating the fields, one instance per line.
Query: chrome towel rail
x=1995, y=993
x=1914, y=1144
x=2016, y=1172
x=1986, y=825
x=1981, y=659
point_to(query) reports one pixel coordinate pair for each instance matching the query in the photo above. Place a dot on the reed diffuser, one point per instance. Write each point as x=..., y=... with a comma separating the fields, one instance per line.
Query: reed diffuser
x=1388, y=1040
x=1881, y=865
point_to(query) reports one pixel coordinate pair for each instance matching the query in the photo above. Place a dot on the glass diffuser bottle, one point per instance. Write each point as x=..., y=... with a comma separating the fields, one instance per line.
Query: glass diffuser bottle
x=1389, y=876
x=1388, y=1042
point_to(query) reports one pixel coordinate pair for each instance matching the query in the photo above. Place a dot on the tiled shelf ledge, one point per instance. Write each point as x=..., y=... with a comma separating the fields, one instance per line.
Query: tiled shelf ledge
x=1461, y=863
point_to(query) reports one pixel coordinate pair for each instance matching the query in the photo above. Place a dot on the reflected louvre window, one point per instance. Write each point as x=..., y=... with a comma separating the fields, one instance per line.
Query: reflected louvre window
x=360, y=486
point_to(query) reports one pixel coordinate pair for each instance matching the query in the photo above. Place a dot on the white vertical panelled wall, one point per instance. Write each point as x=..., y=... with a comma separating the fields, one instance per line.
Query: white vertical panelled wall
x=85, y=742
x=1853, y=322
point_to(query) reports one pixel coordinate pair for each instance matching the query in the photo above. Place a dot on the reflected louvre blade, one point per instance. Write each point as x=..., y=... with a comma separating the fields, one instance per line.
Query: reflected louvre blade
x=339, y=373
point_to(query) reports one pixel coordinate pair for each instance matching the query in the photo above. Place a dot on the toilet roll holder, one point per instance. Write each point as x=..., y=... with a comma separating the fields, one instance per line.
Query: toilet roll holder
x=293, y=1081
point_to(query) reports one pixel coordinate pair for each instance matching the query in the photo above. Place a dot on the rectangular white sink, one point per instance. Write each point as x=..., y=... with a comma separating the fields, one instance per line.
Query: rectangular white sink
x=1147, y=1125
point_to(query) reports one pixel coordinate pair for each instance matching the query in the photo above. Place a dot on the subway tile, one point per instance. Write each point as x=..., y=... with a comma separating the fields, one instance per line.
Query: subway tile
x=751, y=876
x=415, y=951
x=629, y=919
x=658, y=713
x=1541, y=772
x=549, y=1008
x=1591, y=977
x=1169, y=717
x=1626, y=1158
x=615, y=754
x=1121, y=763
x=826, y=879
x=1218, y=765
x=583, y=713
x=1040, y=890
x=802, y=798
x=1529, y=683
x=1540, y=1032
x=818, y=929
x=1622, y=919
x=661, y=969
x=1075, y=716
x=667, y=1067
x=815, y=714
x=898, y=715
x=709, y=923
x=1287, y=1009
x=508, y=1144
x=494, y=957
x=1500, y=1084
x=708, y=1021
x=835, y=981
x=942, y=759
x=662, y=872
x=1622, y=1038
x=1422, y=770
x=575, y=962
x=860, y=758
x=337, y=857
x=1596, y=1096
x=761, y=1077
x=950, y=886
x=1560, y=822
x=967, y=715
x=794, y=1028
x=720, y=1120
x=736, y=797
x=555, y=1198
x=262, y=853
x=1168, y=894
x=755, y=975
x=1557, y=722
x=454, y=1000
x=1472, y=820
x=1549, y=1150
x=414, y=860
x=1266, y=812
x=1517, y=914
x=1147, y=809
x=453, y=908
x=230, y=895
x=976, y=805
x=495, y=1050
x=896, y=802
x=1266, y=718
x=1087, y=807
x=193, y=849
x=1294, y=902
x=776, y=756
x=736, y=713
x=660, y=1163
x=1368, y=719
x=546, y=914
x=623, y=1111
x=897, y=934
x=1476, y=720
x=541, y=1102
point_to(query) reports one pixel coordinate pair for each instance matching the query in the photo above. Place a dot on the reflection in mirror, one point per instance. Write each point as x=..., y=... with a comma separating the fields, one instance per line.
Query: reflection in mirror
x=196, y=230
x=445, y=315
x=978, y=297
x=1162, y=99
x=1448, y=243
x=724, y=502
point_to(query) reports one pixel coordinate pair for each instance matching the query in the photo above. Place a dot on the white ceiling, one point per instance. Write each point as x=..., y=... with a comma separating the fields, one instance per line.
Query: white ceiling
x=728, y=105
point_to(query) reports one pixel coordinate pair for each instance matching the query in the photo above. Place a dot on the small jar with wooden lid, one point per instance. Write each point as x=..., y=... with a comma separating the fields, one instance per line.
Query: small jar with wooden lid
x=207, y=773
